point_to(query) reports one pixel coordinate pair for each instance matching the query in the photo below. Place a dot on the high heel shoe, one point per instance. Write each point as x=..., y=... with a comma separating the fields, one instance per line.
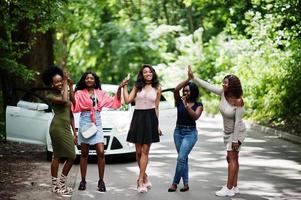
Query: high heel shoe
x=147, y=183
x=140, y=186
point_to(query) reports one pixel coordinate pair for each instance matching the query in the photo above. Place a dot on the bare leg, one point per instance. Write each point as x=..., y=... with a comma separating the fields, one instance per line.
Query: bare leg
x=138, y=153
x=236, y=174
x=55, y=166
x=138, y=157
x=84, y=160
x=67, y=166
x=232, y=158
x=101, y=160
x=143, y=162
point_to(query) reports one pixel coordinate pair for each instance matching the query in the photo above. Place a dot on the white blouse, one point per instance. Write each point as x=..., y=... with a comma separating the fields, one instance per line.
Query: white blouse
x=232, y=115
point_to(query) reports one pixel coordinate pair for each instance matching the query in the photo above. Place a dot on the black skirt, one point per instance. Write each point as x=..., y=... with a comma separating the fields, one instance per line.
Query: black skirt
x=144, y=127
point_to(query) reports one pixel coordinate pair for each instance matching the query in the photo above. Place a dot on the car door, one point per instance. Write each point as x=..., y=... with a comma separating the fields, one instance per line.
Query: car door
x=28, y=121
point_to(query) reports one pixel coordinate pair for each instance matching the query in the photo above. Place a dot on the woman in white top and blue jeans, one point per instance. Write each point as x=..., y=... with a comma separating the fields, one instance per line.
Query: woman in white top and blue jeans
x=185, y=133
x=144, y=128
x=232, y=108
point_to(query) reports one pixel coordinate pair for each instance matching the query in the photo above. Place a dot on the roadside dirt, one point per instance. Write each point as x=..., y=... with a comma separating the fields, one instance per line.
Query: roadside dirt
x=24, y=172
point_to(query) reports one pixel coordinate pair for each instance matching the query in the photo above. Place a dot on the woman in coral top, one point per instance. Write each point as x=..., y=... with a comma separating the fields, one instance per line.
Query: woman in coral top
x=144, y=128
x=89, y=100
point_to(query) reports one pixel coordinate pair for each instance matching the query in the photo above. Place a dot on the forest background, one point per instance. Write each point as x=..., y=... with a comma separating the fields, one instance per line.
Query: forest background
x=257, y=40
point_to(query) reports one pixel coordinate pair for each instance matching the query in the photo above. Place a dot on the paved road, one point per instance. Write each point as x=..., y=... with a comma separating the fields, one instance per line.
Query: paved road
x=270, y=168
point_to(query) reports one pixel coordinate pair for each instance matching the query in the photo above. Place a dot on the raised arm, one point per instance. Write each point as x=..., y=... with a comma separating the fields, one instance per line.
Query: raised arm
x=129, y=98
x=204, y=84
x=208, y=86
x=71, y=91
x=176, y=93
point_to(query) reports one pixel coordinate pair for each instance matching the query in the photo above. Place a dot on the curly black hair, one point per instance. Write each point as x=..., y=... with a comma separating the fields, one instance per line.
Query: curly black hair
x=140, y=80
x=82, y=85
x=194, y=92
x=50, y=72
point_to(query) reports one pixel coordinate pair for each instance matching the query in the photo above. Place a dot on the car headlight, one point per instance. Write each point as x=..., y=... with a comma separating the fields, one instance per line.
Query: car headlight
x=122, y=130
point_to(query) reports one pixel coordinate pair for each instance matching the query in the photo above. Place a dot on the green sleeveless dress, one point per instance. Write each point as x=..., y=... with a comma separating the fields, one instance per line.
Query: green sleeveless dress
x=60, y=129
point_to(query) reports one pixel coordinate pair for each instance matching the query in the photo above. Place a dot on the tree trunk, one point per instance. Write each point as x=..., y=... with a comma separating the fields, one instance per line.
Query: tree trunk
x=190, y=20
x=40, y=52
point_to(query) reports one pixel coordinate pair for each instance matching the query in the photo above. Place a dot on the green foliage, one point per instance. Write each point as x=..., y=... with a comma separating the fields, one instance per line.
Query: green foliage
x=258, y=40
x=39, y=16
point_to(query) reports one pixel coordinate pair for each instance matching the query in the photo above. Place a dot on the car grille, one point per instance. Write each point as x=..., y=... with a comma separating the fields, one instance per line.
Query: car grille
x=107, y=129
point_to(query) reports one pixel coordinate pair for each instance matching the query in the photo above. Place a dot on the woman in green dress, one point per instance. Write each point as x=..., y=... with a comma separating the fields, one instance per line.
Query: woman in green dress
x=60, y=130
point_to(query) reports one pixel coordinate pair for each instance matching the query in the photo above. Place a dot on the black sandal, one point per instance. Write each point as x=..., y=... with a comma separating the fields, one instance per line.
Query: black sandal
x=82, y=185
x=101, y=186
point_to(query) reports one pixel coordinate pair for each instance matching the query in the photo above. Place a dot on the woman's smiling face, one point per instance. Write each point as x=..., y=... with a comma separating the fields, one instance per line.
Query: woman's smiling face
x=90, y=80
x=147, y=74
x=57, y=82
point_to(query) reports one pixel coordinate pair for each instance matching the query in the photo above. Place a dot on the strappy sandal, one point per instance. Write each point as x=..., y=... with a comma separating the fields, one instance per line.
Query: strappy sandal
x=140, y=186
x=82, y=185
x=101, y=186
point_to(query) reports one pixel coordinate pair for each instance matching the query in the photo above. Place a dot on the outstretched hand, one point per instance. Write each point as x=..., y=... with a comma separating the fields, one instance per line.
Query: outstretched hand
x=67, y=78
x=190, y=73
x=124, y=82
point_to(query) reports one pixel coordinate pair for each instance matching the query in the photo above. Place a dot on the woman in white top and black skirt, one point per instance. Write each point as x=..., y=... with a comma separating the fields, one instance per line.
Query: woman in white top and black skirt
x=232, y=108
x=185, y=134
x=144, y=129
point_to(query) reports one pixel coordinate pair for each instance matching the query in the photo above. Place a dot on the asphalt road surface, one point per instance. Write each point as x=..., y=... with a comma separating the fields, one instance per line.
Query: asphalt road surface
x=270, y=168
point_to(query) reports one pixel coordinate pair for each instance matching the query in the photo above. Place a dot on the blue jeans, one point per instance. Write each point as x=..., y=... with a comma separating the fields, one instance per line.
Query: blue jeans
x=185, y=139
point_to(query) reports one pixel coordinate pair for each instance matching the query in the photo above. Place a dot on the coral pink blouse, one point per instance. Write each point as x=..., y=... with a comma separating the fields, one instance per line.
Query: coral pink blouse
x=83, y=102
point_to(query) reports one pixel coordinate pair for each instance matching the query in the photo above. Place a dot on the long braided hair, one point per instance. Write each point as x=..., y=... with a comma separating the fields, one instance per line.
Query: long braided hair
x=234, y=87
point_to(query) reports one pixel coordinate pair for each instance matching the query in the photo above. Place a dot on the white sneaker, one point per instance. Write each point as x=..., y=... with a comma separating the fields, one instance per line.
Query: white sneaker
x=225, y=192
x=236, y=190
